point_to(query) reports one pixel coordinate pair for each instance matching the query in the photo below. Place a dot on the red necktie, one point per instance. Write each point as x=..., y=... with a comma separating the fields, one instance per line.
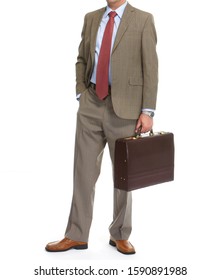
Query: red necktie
x=104, y=59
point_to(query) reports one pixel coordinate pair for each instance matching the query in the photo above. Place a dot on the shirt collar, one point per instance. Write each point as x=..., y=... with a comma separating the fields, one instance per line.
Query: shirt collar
x=119, y=10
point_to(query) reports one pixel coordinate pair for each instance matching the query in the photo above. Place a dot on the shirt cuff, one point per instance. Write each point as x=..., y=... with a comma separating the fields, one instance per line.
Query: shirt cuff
x=78, y=96
x=148, y=110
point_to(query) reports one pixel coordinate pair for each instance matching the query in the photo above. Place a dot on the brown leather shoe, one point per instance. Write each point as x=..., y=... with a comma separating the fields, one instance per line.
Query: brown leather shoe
x=123, y=246
x=65, y=245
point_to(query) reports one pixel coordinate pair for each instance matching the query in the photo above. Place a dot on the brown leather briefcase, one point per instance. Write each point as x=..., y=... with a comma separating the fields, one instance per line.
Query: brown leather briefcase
x=144, y=161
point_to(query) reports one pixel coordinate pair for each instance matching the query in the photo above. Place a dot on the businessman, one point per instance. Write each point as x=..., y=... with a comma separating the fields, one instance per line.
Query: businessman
x=116, y=83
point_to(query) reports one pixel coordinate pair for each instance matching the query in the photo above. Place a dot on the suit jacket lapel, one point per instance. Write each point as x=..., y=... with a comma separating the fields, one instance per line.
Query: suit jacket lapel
x=125, y=21
x=94, y=29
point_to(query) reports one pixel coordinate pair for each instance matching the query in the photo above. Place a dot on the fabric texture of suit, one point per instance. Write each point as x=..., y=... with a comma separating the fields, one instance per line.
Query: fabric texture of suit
x=134, y=63
x=134, y=87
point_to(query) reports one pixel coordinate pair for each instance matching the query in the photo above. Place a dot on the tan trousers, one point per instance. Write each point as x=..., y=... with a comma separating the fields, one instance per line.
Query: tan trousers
x=97, y=124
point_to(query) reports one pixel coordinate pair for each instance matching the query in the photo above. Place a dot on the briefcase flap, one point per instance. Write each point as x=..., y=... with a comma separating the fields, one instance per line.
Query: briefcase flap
x=144, y=161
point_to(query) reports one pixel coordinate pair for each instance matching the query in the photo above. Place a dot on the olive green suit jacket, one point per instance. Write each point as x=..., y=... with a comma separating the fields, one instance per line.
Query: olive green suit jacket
x=134, y=63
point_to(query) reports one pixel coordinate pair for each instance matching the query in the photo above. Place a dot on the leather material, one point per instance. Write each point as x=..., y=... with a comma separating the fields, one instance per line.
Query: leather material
x=142, y=162
x=123, y=246
x=64, y=245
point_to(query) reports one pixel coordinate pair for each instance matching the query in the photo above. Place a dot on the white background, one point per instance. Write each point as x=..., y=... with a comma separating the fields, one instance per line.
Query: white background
x=174, y=224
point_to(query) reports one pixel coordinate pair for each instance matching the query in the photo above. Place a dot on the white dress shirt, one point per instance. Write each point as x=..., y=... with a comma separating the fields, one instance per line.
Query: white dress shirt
x=100, y=35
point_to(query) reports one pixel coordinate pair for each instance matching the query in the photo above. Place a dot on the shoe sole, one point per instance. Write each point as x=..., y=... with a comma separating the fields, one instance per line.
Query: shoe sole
x=112, y=243
x=77, y=247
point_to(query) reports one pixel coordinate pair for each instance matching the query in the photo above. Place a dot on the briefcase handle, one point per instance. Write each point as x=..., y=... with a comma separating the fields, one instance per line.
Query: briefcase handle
x=138, y=133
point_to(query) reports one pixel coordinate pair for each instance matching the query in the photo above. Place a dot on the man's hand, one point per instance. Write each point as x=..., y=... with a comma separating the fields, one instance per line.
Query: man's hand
x=144, y=124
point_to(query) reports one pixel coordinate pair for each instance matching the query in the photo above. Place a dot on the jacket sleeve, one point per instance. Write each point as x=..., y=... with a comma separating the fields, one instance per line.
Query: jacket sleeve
x=149, y=64
x=81, y=62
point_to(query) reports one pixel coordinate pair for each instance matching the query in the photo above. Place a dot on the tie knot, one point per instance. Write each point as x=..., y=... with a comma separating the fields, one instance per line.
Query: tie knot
x=112, y=14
